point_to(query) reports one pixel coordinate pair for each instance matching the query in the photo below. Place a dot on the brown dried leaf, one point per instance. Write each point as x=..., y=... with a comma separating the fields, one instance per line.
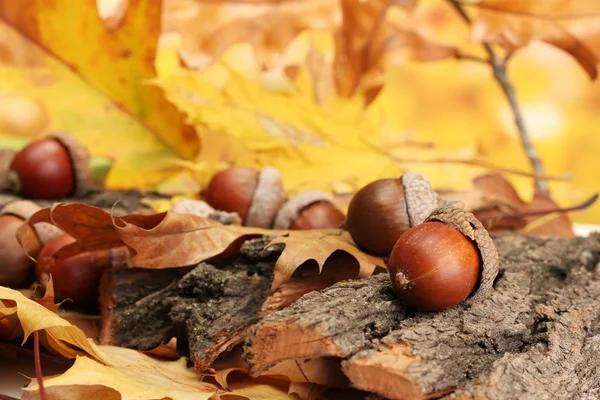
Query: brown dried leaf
x=367, y=40
x=571, y=25
x=318, y=245
x=168, y=240
x=47, y=300
x=504, y=202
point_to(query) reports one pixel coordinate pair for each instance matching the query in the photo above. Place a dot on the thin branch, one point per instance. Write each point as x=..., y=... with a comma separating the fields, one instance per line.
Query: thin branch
x=499, y=67
x=472, y=162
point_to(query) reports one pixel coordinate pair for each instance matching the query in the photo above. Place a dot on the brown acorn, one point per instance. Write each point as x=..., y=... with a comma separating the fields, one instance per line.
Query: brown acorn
x=51, y=167
x=255, y=196
x=444, y=261
x=384, y=209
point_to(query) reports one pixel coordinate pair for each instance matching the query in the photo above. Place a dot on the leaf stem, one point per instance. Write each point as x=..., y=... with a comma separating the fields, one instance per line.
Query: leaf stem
x=38, y=365
x=498, y=65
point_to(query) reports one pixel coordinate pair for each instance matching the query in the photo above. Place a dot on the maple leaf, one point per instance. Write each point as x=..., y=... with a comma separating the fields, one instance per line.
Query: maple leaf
x=573, y=26
x=20, y=317
x=168, y=239
x=127, y=374
x=47, y=300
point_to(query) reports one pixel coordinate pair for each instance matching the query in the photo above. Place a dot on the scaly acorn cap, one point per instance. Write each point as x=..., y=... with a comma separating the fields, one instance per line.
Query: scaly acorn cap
x=25, y=209
x=80, y=160
x=268, y=198
x=419, y=196
x=291, y=210
x=467, y=224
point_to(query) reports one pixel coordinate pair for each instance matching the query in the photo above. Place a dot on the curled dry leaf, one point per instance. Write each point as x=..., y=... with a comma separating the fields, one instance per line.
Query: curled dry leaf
x=47, y=300
x=20, y=317
x=127, y=374
x=496, y=203
x=573, y=26
x=168, y=240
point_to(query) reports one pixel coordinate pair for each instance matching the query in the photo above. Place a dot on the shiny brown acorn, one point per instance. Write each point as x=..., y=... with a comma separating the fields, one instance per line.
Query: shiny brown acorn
x=384, y=209
x=448, y=259
x=255, y=195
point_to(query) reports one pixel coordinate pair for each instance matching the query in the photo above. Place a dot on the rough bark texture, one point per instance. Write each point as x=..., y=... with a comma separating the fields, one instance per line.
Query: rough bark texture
x=535, y=336
x=208, y=308
x=124, y=201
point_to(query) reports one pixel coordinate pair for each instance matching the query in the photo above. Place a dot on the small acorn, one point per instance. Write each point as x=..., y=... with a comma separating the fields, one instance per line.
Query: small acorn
x=309, y=210
x=51, y=167
x=384, y=209
x=255, y=196
x=77, y=277
x=16, y=268
x=448, y=259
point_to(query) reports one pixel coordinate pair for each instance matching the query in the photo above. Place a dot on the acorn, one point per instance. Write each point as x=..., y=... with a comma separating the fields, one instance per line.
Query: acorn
x=76, y=277
x=312, y=209
x=16, y=269
x=254, y=196
x=448, y=259
x=384, y=209
x=51, y=167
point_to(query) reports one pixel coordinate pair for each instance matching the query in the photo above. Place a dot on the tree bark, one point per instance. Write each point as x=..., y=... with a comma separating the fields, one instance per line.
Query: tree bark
x=535, y=336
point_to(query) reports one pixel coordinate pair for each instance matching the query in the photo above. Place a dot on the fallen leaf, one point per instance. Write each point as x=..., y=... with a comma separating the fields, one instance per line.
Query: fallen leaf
x=242, y=386
x=318, y=245
x=47, y=300
x=168, y=240
x=127, y=375
x=573, y=26
x=496, y=203
x=20, y=317
x=118, y=60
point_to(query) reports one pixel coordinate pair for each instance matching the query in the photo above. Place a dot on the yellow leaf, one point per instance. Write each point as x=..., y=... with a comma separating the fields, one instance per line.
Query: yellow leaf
x=116, y=56
x=127, y=375
x=20, y=316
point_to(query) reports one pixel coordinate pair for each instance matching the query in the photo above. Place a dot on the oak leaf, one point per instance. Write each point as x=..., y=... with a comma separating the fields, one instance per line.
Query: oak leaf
x=20, y=317
x=168, y=239
x=573, y=26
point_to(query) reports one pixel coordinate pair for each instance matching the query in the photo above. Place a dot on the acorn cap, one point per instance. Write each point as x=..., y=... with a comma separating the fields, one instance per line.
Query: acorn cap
x=6, y=158
x=268, y=197
x=467, y=224
x=25, y=209
x=80, y=159
x=291, y=210
x=419, y=196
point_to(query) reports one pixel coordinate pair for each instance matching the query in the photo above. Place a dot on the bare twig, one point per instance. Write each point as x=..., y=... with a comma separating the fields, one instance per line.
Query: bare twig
x=499, y=67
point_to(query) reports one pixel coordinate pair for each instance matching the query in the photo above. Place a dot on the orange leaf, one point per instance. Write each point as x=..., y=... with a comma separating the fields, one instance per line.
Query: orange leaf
x=573, y=26
x=318, y=245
